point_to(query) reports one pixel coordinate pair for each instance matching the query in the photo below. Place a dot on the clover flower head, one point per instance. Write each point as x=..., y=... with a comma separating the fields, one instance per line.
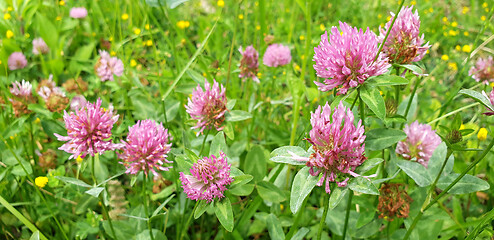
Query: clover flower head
x=146, y=148
x=404, y=45
x=209, y=178
x=108, y=66
x=249, y=65
x=483, y=70
x=420, y=143
x=338, y=145
x=347, y=59
x=40, y=47
x=77, y=102
x=17, y=60
x=89, y=130
x=208, y=106
x=78, y=12
x=277, y=55
x=22, y=89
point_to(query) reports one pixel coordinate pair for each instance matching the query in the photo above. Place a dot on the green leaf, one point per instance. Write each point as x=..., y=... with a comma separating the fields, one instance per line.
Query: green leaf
x=300, y=233
x=237, y=115
x=270, y=192
x=416, y=171
x=242, y=190
x=369, y=164
x=374, y=101
x=218, y=145
x=302, y=186
x=437, y=160
x=241, y=180
x=387, y=80
x=274, y=227
x=95, y=191
x=158, y=209
x=74, y=181
x=51, y=127
x=415, y=69
x=47, y=31
x=35, y=236
x=19, y=171
x=183, y=164
x=479, y=97
x=282, y=155
x=231, y=103
x=230, y=133
x=191, y=155
x=201, y=208
x=467, y=184
x=363, y=185
x=336, y=197
x=255, y=163
x=144, y=235
x=224, y=213
x=381, y=138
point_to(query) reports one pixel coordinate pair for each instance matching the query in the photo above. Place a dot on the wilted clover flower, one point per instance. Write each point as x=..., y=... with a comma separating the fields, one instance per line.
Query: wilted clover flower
x=89, y=130
x=17, y=60
x=78, y=12
x=77, y=102
x=338, y=144
x=108, y=66
x=40, y=47
x=208, y=106
x=146, y=148
x=404, y=45
x=249, y=64
x=483, y=71
x=22, y=97
x=209, y=178
x=420, y=143
x=277, y=55
x=394, y=201
x=54, y=96
x=347, y=60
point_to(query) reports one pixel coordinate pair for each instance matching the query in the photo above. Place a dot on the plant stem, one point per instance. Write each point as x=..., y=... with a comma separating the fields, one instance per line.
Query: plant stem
x=204, y=142
x=184, y=229
x=473, y=164
x=362, y=109
x=146, y=210
x=103, y=206
x=387, y=33
x=325, y=206
x=294, y=226
x=453, y=112
x=347, y=215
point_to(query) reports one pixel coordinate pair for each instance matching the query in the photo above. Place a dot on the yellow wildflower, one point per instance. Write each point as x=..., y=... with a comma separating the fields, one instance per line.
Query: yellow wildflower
x=466, y=33
x=454, y=24
x=465, y=10
x=125, y=16
x=27, y=35
x=62, y=3
x=492, y=84
x=221, y=3
x=484, y=5
x=379, y=16
x=113, y=53
x=413, y=2
x=258, y=27
x=110, y=39
x=466, y=48
x=482, y=135
x=445, y=57
x=133, y=63
x=259, y=75
x=183, y=24
x=458, y=48
x=452, y=32
x=79, y=159
x=453, y=66
x=388, y=18
x=483, y=18
x=7, y=16
x=58, y=18
x=41, y=181
x=462, y=126
x=240, y=16
x=146, y=27
x=137, y=31
x=37, y=121
x=9, y=34
x=9, y=9
x=445, y=19
x=183, y=41
x=322, y=27
x=302, y=37
x=431, y=10
x=149, y=43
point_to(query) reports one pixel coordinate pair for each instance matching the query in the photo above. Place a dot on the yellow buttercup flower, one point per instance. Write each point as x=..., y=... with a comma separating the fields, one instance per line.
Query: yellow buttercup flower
x=466, y=34
x=240, y=16
x=133, y=63
x=58, y=18
x=113, y=53
x=445, y=57
x=62, y=3
x=491, y=84
x=27, y=35
x=149, y=43
x=41, y=181
x=9, y=9
x=147, y=27
x=482, y=135
x=484, y=5
x=9, y=34
x=259, y=75
x=379, y=16
x=221, y=3
x=79, y=159
x=37, y=121
x=466, y=48
x=302, y=37
x=183, y=24
x=7, y=16
x=137, y=31
x=413, y=2
x=452, y=32
x=125, y=16
x=483, y=18
x=453, y=66
x=445, y=19
x=454, y=24
x=465, y=10
x=458, y=48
